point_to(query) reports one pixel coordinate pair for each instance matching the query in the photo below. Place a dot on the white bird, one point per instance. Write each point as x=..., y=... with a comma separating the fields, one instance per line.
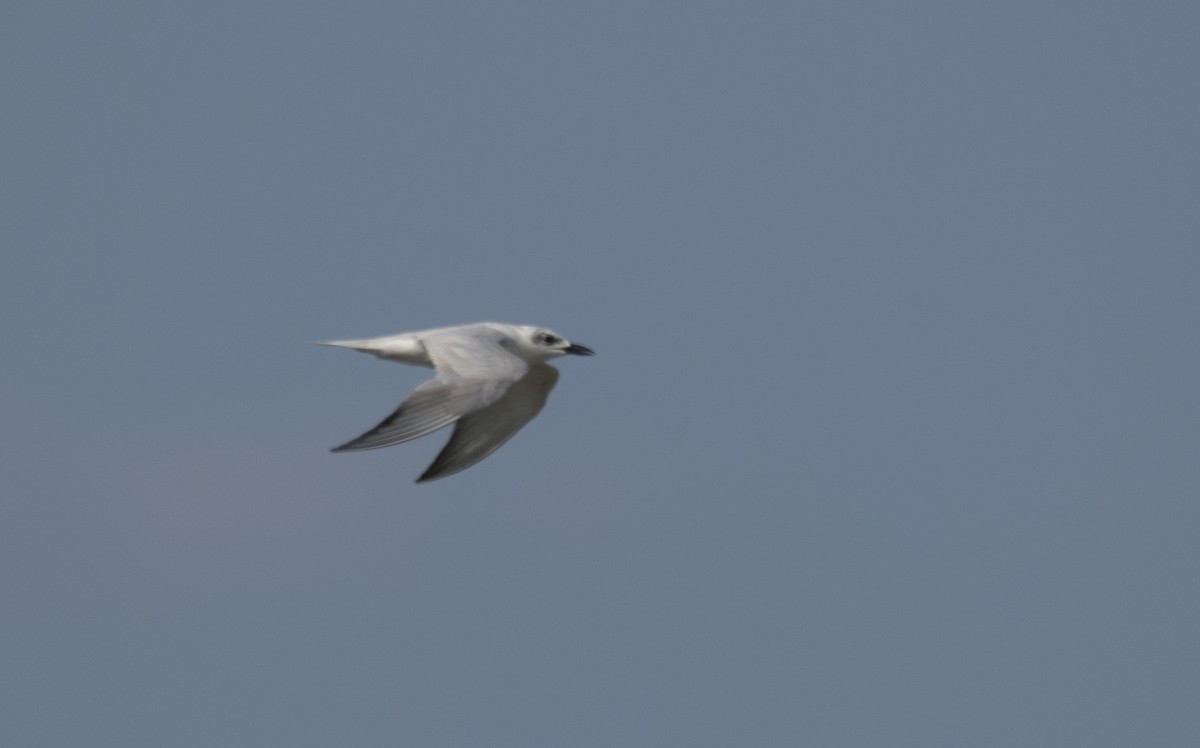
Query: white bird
x=492, y=379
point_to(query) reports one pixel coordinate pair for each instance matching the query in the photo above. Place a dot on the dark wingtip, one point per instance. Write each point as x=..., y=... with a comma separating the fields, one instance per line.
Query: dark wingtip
x=349, y=446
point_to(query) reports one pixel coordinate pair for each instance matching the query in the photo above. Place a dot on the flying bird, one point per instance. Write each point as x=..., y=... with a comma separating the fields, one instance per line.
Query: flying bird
x=491, y=380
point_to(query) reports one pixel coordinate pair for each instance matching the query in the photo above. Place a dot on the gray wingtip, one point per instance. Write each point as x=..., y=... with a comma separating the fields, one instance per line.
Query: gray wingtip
x=441, y=468
x=427, y=478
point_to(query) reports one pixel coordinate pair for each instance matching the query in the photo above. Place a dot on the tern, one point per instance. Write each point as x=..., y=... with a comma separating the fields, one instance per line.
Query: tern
x=491, y=379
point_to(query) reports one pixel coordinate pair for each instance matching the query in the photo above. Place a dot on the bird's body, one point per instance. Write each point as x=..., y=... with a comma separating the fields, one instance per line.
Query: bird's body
x=492, y=379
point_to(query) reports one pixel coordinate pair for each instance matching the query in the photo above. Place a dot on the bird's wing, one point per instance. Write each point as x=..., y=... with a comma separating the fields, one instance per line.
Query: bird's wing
x=434, y=404
x=473, y=371
x=472, y=352
x=482, y=432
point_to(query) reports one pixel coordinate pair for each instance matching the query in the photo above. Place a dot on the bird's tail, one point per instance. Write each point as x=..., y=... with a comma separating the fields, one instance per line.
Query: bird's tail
x=366, y=345
x=405, y=348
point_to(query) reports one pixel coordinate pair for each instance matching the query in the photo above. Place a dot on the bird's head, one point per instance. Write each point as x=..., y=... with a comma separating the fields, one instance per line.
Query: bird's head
x=537, y=344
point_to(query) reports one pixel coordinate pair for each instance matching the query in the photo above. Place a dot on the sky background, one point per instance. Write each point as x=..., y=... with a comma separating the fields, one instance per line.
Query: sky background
x=891, y=438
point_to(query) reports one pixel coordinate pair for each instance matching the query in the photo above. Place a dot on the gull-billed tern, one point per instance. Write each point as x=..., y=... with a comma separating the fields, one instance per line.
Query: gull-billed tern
x=491, y=380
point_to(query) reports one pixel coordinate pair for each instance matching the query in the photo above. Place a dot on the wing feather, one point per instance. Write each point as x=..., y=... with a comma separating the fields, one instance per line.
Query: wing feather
x=484, y=431
x=434, y=404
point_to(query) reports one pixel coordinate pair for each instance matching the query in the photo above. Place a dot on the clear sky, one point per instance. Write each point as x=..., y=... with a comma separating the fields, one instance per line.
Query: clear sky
x=891, y=438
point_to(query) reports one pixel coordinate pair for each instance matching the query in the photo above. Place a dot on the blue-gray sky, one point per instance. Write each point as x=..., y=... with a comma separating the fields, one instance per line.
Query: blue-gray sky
x=891, y=438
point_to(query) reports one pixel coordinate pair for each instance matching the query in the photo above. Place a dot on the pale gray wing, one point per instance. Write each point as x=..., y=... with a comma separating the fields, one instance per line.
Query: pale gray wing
x=482, y=432
x=472, y=352
x=436, y=403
